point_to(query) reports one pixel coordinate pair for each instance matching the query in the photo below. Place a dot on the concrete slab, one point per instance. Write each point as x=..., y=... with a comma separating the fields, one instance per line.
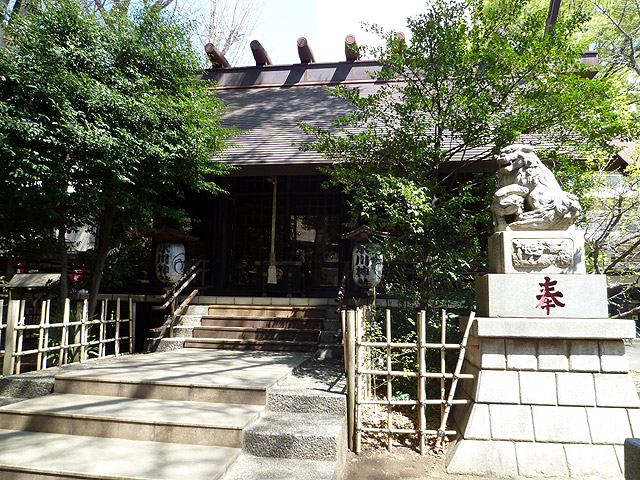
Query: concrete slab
x=632, y=458
x=633, y=354
x=516, y=295
x=144, y=410
x=201, y=367
x=132, y=418
x=552, y=328
x=294, y=435
x=72, y=456
x=541, y=459
x=477, y=457
x=249, y=467
x=593, y=461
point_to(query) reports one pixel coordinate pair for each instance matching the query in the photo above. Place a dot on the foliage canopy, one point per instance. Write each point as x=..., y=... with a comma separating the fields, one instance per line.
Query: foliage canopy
x=474, y=79
x=99, y=122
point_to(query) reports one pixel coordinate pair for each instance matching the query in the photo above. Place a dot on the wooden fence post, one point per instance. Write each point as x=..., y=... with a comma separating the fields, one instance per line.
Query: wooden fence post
x=116, y=341
x=132, y=326
x=422, y=339
x=103, y=318
x=456, y=375
x=443, y=365
x=47, y=326
x=76, y=333
x=9, y=341
x=40, y=363
x=359, y=390
x=351, y=378
x=20, y=337
x=64, y=340
x=389, y=378
x=2, y=318
x=84, y=331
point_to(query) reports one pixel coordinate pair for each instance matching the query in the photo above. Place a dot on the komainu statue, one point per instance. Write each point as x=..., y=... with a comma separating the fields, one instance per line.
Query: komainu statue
x=529, y=196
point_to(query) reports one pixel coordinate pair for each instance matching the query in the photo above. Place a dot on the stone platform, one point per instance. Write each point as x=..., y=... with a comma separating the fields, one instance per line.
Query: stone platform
x=546, y=402
x=551, y=395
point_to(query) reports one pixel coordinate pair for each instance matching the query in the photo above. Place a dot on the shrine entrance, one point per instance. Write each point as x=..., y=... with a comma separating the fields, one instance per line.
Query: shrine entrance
x=307, y=236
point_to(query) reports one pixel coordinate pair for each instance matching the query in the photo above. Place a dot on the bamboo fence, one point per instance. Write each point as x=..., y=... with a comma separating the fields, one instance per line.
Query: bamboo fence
x=359, y=375
x=79, y=339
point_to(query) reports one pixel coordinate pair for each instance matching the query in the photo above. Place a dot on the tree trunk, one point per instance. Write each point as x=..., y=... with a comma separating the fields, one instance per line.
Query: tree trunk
x=103, y=238
x=62, y=251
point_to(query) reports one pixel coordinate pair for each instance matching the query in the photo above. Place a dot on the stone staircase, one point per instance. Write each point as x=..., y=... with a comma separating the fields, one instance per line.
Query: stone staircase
x=238, y=324
x=184, y=414
x=253, y=327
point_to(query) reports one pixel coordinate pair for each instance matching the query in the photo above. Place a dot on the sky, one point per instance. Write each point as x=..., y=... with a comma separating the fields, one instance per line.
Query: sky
x=325, y=23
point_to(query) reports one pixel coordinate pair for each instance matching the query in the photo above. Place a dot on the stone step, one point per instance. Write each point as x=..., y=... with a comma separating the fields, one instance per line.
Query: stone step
x=9, y=400
x=239, y=344
x=160, y=390
x=196, y=310
x=268, y=311
x=332, y=324
x=331, y=337
x=314, y=387
x=296, y=435
x=200, y=423
x=261, y=322
x=257, y=333
x=164, y=344
x=300, y=401
x=39, y=456
x=188, y=320
x=184, y=332
x=250, y=467
x=200, y=375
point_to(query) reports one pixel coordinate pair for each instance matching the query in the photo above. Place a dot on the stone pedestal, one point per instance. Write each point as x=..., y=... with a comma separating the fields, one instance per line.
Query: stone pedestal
x=551, y=396
x=534, y=251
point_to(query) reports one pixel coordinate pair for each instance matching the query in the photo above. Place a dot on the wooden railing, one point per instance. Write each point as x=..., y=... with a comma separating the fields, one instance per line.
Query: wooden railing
x=359, y=372
x=171, y=296
x=72, y=340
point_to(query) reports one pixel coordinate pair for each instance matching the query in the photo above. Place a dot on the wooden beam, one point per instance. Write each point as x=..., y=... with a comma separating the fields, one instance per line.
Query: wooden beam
x=259, y=54
x=216, y=56
x=552, y=17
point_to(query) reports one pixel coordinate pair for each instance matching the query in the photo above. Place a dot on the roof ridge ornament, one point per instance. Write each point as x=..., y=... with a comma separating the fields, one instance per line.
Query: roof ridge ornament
x=304, y=51
x=216, y=56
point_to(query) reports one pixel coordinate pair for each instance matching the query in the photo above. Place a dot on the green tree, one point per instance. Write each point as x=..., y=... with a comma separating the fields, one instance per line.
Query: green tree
x=473, y=79
x=612, y=234
x=99, y=122
x=616, y=34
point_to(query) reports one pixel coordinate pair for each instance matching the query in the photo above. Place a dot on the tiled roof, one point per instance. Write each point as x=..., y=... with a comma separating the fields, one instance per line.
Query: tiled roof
x=266, y=104
x=269, y=120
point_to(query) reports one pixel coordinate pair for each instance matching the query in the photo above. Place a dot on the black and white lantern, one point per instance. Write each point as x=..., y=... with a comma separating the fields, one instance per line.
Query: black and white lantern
x=170, y=258
x=367, y=264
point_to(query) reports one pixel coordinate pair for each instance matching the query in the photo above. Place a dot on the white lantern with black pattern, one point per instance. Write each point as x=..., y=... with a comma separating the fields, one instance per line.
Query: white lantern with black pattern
x=367, y=264
x=170, y=258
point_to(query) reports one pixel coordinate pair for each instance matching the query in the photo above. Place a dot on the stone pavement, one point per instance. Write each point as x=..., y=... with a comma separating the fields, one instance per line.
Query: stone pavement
x=633, y=354
x=184, y=413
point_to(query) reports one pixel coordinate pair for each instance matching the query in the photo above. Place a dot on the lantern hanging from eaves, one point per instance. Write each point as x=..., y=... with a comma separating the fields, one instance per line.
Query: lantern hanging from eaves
x=366, y=257
x=171, y=254
x=366, y=264
x=170, y=258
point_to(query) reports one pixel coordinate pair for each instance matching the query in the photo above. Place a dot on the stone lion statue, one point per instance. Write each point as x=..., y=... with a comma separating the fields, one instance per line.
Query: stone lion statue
x=529, y=196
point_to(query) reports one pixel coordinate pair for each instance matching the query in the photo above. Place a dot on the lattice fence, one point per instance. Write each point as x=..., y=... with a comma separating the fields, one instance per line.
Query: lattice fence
x=360, y=373
x=75, y=338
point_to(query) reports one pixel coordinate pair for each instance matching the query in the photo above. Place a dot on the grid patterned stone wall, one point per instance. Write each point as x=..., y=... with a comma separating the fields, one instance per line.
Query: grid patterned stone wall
x=545, y=408
x=551, y=397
